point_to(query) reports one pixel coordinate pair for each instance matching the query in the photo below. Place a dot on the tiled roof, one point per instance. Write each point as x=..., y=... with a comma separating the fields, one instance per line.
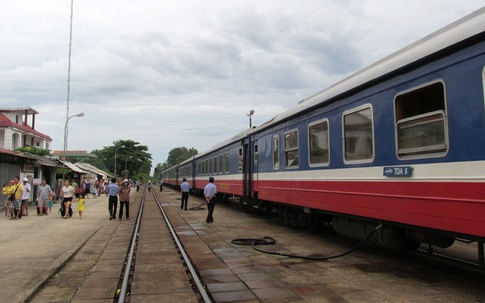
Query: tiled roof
x=6, y=122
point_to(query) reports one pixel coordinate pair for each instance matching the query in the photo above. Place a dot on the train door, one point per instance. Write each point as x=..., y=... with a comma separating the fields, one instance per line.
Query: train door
x=243, y=155
x=254, y=172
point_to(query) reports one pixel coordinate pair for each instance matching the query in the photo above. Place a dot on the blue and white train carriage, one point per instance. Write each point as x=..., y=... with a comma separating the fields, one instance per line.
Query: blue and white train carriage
x=401, y=142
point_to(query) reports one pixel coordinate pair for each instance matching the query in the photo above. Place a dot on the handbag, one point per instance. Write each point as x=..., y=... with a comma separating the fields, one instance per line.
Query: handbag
x=12, y=196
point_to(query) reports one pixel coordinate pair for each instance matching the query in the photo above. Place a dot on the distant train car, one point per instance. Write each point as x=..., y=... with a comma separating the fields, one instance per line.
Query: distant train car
x=170, y=176
x=399, y=143
x=186, y=170
x=224, y=162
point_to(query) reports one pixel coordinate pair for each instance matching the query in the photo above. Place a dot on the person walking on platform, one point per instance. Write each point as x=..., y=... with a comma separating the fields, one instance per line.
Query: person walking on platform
x=161, y=185
x=67, y=194
x=80, y=205
x=185, y=189
x=125, y=199
x=210, y=192
x=112, y=192
x=86, y=188
x=137, y=186
x=16, y=203
x=44, y=196
x=25, y=198
x=149, y=186
x=6, y=194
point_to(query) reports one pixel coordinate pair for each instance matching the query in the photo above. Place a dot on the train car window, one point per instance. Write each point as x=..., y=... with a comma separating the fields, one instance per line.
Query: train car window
x=276, y=152
x=292, y=158
x=256, y=155
x=240, y=160
x=421, y=127
x=215, y=165
x=206, y=168
x=227, y=163
x=358, y=135
x=220, y=164
x=318, y=143
x=210, y=166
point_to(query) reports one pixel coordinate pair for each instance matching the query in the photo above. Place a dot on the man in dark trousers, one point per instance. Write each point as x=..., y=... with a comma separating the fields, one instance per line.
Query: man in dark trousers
x=185, y=189
x=210, y=192
x=113, y=190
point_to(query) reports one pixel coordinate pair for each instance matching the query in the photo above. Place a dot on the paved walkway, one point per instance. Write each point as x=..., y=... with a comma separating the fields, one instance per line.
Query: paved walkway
x=33, y=247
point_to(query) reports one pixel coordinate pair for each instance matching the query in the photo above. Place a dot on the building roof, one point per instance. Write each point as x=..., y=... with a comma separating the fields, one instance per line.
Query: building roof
x=6, y=122
x=23, y=110
x=90, y=168
x=42, y=160
x=73, y=153
x=73, y=167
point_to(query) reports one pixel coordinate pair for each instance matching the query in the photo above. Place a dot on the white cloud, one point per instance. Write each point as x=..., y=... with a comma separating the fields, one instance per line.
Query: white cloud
x=185, y=73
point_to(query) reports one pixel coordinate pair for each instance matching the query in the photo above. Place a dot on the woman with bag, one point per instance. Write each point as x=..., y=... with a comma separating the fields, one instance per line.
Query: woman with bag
x=67, y=194
x=16, y=198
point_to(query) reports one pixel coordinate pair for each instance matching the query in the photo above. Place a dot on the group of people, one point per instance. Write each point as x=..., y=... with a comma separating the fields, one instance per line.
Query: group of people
x=117, y=192
x=16, y=195
x=68, y=196
x=16, y=198
x=210, y=191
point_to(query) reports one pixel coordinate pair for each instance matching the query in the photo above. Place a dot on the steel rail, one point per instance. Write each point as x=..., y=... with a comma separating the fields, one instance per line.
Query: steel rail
x=201, y=287
x=134, y=241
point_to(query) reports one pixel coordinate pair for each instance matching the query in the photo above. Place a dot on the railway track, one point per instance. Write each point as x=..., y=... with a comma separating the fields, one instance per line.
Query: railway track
x=152, y=209
x=103, y=268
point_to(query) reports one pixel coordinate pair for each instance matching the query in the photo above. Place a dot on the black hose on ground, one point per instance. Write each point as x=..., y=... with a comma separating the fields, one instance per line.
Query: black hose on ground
x=198, y=207
x=271, y=241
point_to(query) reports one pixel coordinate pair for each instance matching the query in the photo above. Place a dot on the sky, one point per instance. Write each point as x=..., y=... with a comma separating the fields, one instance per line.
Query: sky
x=177, y=73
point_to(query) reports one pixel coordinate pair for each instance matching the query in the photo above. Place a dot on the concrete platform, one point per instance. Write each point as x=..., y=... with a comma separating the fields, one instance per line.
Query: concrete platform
x=235, y=273
x=34, y=247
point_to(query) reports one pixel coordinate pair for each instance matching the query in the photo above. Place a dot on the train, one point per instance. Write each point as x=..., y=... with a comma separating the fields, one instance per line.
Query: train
x=399, y=143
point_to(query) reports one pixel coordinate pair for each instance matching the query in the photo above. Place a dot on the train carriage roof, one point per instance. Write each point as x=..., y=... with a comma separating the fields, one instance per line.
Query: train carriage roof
x=229, y=141
x=459, y=31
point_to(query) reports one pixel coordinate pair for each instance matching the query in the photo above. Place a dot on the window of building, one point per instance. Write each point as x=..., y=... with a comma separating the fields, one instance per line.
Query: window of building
x=421, y=127
x=318, y=143
x=358, y=135
x=292, y=158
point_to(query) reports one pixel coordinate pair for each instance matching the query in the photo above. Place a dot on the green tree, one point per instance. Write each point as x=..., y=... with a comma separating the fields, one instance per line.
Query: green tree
x=132, y=159
x=175, y=156
x=34, y=150
x=180, y=154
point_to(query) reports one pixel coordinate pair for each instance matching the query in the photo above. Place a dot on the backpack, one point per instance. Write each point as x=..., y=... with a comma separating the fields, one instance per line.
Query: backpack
x=62, y=211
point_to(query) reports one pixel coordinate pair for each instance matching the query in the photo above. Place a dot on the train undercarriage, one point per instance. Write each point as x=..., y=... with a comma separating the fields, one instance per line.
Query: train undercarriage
x=399, y=238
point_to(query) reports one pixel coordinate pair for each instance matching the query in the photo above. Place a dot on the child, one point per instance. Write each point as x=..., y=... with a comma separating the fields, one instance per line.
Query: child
x=94, y=192
x=80, y=205
x=50, y=204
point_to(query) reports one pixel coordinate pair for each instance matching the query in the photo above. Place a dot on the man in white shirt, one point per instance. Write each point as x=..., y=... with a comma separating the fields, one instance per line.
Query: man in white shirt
x=25, y=198
x=210, y=192
x=185, y=189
